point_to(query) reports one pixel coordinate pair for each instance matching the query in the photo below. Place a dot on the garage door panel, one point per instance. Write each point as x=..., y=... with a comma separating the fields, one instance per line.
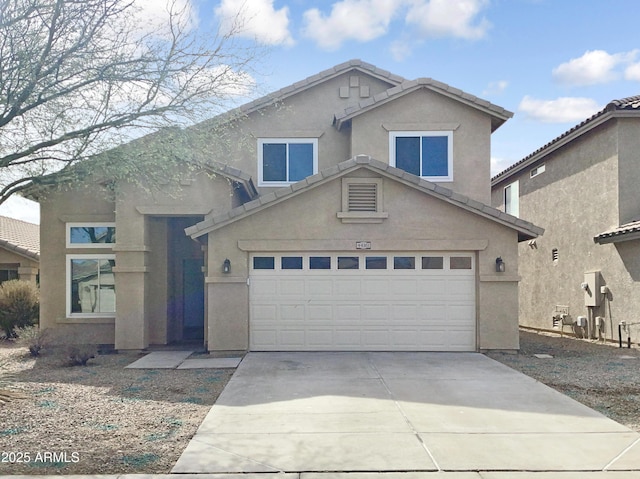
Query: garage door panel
x=374, y=312
x=319, y=288
x=292, y=312
x=348, y=312
x=427, y=310
x=347, y=287
x=319, y=312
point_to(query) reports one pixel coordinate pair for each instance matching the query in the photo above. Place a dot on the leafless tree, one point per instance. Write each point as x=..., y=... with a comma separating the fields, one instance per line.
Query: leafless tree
x=78, y=77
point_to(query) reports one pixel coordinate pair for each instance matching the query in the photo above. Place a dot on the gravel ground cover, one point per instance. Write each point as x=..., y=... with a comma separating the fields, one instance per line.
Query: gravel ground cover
x=100, y=418
x=103, y=418
x=602, y=376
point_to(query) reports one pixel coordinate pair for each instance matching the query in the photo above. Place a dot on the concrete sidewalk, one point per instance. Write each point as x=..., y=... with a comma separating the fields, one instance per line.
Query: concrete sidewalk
x=336, y=413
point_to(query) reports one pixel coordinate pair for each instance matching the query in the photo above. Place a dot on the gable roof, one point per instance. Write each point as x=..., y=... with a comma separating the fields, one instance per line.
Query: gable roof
x=20, y=237
x=307, y=83
x=498, y=114
x=629, y=106
x=525, y=229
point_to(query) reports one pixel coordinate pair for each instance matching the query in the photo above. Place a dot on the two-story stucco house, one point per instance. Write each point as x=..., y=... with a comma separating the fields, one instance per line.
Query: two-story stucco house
x=348, y=211
x=582, y=187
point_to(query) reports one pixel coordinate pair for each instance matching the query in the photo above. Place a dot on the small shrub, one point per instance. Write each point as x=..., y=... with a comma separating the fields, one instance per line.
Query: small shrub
x=79, y=354
x=19, y=306
x=32, y=337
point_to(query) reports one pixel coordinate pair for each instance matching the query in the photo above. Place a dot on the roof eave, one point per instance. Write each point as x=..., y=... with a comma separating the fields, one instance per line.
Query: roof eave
x=567, y=137
x=526, y=231
x=19, y=250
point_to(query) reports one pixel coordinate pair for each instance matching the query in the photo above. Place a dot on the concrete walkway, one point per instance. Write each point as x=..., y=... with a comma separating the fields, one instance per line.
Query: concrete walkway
x=423, y=413
x=179, y=360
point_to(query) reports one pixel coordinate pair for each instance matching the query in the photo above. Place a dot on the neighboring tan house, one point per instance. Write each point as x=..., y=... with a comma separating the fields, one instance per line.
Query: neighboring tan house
x=348, y=211
x=583, y=188
x=19, y=250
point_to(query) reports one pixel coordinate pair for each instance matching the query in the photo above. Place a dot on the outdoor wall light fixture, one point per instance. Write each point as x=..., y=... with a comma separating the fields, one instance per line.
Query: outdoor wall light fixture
x=226, y=266
x=500, y=266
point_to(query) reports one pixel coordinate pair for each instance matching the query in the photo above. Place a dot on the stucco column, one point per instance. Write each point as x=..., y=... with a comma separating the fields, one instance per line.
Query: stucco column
x=28, y=274
x=131, y=249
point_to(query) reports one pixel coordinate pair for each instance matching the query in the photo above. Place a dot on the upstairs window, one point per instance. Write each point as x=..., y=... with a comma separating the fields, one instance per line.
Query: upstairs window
x=285, y=161
x=427, y=154
x=512, y=199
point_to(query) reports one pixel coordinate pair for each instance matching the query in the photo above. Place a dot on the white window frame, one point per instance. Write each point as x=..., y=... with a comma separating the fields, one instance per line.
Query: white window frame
x=88, y=225
x=262, y=141
x=70, y=257
x=448, y=133
x=514, y=208
x=538, y=170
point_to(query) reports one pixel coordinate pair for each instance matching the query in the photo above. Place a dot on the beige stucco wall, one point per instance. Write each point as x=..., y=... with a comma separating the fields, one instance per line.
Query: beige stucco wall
x=575, y=199
x=308, y=222
x=425, y=110
x=141, y=271
x=308, y=114
x=57, y=209
x=27, y=267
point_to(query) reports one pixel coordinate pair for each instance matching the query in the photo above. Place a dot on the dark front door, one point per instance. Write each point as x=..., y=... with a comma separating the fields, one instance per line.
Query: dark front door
x=193, y=298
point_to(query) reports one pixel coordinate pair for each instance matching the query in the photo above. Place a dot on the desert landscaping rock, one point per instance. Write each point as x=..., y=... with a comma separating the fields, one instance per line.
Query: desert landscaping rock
x=105, y=419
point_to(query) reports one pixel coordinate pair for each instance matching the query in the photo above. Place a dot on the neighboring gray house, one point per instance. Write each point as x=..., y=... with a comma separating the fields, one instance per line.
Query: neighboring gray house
x=348, y=211
x=19, y=250
x=584, y=189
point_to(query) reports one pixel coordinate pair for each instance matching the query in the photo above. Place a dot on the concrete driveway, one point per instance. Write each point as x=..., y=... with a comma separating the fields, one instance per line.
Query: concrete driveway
x=348, y=412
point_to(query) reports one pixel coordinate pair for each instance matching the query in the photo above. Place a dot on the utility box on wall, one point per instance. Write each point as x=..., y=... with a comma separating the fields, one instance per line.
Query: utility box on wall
x=593, y=281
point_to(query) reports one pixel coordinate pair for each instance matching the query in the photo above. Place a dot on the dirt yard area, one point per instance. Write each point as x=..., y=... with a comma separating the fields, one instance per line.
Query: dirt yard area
x=103, y=418
x=100, y=418
x=601, y=376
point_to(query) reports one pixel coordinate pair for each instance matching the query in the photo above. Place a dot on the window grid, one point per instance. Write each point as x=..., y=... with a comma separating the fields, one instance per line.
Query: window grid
x=395, y=263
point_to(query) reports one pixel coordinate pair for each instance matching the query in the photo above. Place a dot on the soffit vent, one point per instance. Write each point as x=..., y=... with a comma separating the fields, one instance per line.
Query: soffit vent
x=363, y=197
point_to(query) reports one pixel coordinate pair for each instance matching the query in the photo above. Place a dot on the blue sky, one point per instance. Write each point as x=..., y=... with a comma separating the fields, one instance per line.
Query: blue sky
x=553, y=63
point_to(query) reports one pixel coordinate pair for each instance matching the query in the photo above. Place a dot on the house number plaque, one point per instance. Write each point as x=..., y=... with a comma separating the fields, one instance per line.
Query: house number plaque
x=363, y=245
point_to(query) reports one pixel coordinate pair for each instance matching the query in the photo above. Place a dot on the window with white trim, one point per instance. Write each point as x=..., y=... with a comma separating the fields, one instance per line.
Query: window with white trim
x=512, y=199
x=537, y=171
x=91, y=285
x=282, y=161
x=428, y=154
x=91, y=235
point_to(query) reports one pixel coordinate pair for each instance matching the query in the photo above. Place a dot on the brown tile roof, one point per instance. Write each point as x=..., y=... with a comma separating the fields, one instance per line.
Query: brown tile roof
x=20, y=236
x=499, y=114
x=626, y=232
x=526, y=230
x=631, y=103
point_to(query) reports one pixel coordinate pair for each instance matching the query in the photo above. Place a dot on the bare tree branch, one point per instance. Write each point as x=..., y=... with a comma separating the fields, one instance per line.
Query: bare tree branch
x=78, y=77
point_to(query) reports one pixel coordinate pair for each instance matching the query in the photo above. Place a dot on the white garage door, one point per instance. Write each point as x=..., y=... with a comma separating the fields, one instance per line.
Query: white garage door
x=366, y=302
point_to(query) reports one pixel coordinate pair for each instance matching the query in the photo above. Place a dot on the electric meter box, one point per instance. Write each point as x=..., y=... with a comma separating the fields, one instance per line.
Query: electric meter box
x=592, y=295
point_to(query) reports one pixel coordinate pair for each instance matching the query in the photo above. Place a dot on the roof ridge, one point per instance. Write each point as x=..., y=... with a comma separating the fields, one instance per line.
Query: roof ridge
x=18, y=220
x=421, y=82
x=628, y=103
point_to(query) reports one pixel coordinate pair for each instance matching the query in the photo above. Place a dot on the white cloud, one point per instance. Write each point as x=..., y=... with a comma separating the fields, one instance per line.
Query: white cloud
x=592, y=68
x=360, y=20
x=257, y=19
x=447, y=18
x=22, y=209
x=560, y=110
x=400, y=49
x=632, y=72
x=496, y=87
x=152, y=16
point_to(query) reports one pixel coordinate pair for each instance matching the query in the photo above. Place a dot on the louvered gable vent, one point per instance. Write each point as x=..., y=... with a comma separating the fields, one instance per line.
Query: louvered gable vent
x=363, y=197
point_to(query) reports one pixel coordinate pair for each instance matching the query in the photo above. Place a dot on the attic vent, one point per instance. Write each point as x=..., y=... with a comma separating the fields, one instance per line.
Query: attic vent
x=362, y=197
x=362, y=201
